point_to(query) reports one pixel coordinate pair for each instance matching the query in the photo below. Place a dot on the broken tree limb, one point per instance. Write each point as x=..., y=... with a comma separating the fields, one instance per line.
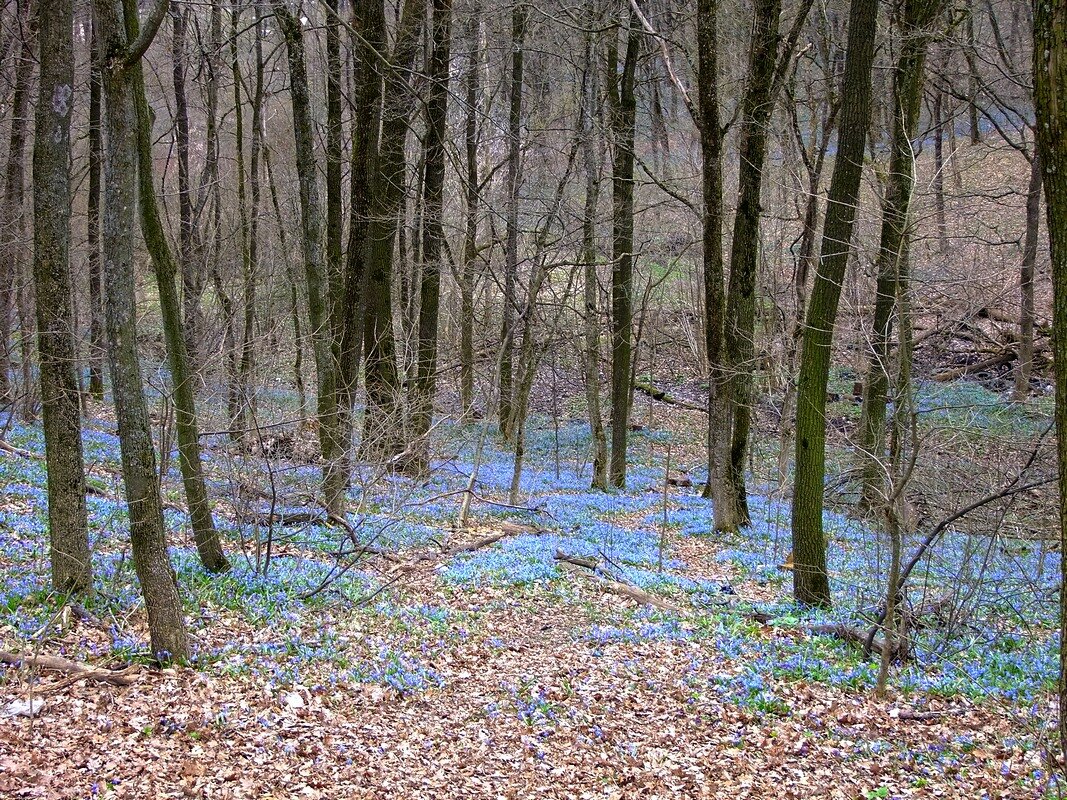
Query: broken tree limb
x=7, y=447
x=662, y=396
x=618, y=587
x=506, y=529
x=969, y=369
x=56, y=664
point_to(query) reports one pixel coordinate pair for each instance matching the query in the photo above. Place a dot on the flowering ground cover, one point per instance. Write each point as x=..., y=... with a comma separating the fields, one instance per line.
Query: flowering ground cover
x=387, y=661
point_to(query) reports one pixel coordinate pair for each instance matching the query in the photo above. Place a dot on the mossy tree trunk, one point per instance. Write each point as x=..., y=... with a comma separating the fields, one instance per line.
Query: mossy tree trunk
x=208, y=545
x=470, y=239
x=1050, y=102
x=68, y=534
x=121, y=48
x=811, y=584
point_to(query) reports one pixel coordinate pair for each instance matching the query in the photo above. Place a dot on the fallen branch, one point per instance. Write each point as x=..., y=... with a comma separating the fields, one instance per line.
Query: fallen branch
x=7, y=447
x=663, y=397
x=56, y=664
x=618, y=587
x=506, y=529
x=969, y=369
x=640, y=595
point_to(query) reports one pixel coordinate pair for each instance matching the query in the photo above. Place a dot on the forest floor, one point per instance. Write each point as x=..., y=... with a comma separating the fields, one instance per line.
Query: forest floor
x=427, y=670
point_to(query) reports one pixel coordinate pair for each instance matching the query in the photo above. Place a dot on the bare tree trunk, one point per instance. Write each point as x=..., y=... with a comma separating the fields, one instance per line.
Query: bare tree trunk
x=11, y=203
x=1050, y=102
x=717, y=487
x=894, y=244
x=433, y=233
x=811, y=584
x=206, y=537
x=591, y=286
x=383, y=435
x=68, y=532
x=1026, y=284
x=505, y=390
x=470, y=240
x=623, y=103
x=97, y=347
x=122, y=47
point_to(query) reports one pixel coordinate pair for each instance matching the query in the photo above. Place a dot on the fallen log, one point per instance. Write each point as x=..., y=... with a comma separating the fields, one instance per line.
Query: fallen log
x=7, y=447
x=662, y=396
x=506, y=529
x=56, y=664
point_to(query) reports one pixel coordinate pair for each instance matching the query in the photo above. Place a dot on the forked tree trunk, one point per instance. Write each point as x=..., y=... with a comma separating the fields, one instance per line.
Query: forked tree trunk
x=811, y=584
x=918, y=16
x=68, y=535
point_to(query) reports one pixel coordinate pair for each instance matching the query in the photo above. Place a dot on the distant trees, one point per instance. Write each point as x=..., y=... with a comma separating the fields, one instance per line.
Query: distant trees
x=420, y=192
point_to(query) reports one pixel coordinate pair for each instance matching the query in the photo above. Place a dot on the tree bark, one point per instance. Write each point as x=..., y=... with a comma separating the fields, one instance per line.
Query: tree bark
x=1050, y=102
x=433, y=232
x=918, y=16
x=505, y=389
x=68, y=534
x=623, y=102
x=383, y=434
x=97, y=346
x=470, y=239
x=810, y=581
x=120, y=45
x=11, y=222
x=1026, y=284
x=590, y=282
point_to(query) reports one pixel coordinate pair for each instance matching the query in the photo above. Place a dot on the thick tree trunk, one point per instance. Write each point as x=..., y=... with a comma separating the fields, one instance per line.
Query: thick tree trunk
x=68, y=534
x=1050, y=101
x=166, y=623
x=505, y=389
x=718, y=486
x=623, y=124
x=811, y=584
x=433, y=233
x=383, y=434
x=893, y=248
